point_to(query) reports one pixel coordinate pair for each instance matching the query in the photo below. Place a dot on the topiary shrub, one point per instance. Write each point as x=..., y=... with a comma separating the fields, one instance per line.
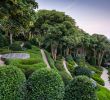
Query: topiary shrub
x=80, y=88
x=27, y=45
x=82, y=71
x=45, y=84
x=15, y=47
x=12, y=83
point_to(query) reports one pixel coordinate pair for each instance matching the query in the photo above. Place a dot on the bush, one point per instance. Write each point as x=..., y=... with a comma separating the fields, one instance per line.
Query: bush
x=80, y=88
x=12, y=83
x=1, y=41
x=98, y=79
x=82, y=71
x=27, y=45
x=59, y=65
x=15, y=47
x=33, y=41
x=69, y=58
x=66, y=77
x=45, y=84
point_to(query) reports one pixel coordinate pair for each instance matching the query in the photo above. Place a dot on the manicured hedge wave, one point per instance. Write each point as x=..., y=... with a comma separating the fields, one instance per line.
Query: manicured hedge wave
x=45, y=84
x=12, y=84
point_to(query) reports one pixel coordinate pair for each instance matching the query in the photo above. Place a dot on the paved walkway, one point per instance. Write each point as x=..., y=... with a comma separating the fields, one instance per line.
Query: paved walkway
x=105, y=76
x=66, y=69
x=45, y=58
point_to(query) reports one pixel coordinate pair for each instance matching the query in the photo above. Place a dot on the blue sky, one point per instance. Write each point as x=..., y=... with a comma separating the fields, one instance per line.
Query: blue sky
x=93, y=16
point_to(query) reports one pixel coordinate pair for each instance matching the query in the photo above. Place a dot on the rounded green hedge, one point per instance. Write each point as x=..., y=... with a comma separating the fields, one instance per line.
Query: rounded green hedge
x=45, y=84
x=82, y=71
x=12, y=83
x=80, y=88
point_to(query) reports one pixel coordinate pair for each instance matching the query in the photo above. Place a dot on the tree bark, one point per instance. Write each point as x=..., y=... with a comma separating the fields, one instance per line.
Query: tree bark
x=11, y=38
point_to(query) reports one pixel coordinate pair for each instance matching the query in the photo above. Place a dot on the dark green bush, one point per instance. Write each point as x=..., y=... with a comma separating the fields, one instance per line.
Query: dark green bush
x=27, y=45
x=15, y=47
x=45, y=84
x=82, y=71
x=80, y=88
x=33, y=41
x=12, y=83
x=1, y=41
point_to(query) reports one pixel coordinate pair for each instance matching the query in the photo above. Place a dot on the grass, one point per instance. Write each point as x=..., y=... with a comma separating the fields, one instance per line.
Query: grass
x=103, y=93
x=50, y=60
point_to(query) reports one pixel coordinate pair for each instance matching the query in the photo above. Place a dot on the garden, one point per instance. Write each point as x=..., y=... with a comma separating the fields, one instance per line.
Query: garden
x=31, y=40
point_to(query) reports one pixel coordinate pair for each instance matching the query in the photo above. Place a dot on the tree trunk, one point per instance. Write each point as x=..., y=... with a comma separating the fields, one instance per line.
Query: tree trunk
x=95, y=55
x=11, y=38
x=101, y=58
x=67, y=51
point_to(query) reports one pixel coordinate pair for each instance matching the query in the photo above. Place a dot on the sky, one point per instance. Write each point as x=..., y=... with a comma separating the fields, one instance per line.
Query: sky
x=93, y=16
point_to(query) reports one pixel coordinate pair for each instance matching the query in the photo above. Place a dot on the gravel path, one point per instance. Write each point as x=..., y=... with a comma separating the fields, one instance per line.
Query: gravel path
x=66, y=69
x=45, y=58
x=105, y=76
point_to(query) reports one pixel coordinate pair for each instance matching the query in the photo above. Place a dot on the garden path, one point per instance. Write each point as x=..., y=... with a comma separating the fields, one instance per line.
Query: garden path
x=105, y=77
x=65, y=67
x=45, y=58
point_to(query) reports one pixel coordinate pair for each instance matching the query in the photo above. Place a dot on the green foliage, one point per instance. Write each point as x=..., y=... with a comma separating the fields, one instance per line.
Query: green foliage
x=82, y=71
x=45, y=84
x=34, y=42
x=66, y=77
x=50, y=60
x=1, y=40
x=28, y=66
x=103, y=93
x=59, y=65
x=27, y=45
x=15, y=47
x=98, y=79
x=12, y=83
x=80, y=88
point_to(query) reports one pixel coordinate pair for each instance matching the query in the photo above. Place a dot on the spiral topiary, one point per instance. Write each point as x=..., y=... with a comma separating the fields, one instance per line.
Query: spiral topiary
x=12, y=83
x=45, y=84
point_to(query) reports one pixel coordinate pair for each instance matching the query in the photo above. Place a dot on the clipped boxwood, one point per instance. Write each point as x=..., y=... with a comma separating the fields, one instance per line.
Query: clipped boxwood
x=82, y=71
x=12, y=83
x=80, y=88
x=45, y=84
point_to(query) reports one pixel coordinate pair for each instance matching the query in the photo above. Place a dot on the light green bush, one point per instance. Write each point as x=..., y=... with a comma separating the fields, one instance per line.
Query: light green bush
x=45, y=84
x=12, y=83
